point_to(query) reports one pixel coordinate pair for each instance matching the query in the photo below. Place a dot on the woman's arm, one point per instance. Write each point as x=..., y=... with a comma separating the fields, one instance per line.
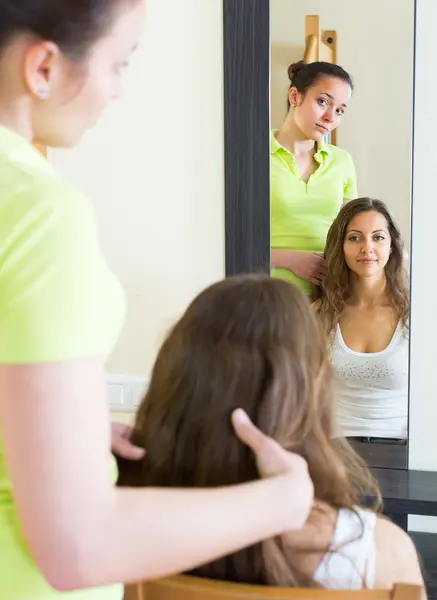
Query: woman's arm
x=283, y=259
x=81, y=530
x=306, y=265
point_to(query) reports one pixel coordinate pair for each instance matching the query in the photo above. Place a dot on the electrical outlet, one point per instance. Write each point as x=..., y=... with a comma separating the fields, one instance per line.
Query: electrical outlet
x=125, y=392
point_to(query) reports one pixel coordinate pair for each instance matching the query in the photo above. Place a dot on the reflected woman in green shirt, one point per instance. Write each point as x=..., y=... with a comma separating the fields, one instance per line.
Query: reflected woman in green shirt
x=309, y=179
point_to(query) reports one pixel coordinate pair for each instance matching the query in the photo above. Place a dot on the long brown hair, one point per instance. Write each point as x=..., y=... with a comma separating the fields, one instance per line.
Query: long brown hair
x=251, y=342
x=336, y=286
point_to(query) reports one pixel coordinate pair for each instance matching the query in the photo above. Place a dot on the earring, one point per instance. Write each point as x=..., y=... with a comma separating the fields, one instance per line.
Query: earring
x=43, y=93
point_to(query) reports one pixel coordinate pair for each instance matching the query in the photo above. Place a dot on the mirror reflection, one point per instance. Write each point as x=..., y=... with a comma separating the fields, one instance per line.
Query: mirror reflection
x=340, y=169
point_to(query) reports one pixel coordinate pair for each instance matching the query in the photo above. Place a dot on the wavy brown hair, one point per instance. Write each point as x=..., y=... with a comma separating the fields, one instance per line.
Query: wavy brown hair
x=251, y=342
x=336, y=286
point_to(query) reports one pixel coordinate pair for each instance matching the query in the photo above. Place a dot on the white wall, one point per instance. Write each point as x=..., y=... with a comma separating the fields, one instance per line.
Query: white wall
x=153, y=168
x=423, y=381
x=377, y=127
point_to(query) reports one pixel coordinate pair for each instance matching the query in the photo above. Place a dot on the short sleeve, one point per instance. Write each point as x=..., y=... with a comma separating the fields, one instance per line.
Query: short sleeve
x=350, y=187
x=53, y=279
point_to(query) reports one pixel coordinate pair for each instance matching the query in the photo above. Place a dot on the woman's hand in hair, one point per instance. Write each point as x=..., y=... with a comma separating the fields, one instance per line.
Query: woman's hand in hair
x=317, y=533
x=274, y=461
x=121, y=444
x=310, y=266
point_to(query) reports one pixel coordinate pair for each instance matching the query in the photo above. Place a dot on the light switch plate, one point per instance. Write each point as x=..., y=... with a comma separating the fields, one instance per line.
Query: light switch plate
x=125, y=392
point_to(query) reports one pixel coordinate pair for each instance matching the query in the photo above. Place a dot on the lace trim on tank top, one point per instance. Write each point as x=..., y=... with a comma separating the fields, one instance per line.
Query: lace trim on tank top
x=370, y=370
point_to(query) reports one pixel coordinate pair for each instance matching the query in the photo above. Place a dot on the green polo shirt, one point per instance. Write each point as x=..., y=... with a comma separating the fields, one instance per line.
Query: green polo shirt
x=58, y=301
x=302, y=212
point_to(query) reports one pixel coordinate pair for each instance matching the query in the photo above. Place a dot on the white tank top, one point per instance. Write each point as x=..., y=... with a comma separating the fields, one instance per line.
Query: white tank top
x=371, y=389
x=351, y=564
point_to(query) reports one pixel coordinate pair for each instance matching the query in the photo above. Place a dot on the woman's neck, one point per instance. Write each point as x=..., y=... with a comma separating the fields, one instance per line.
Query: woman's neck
x=292, y=138
x=366, y=292
x=13, y=116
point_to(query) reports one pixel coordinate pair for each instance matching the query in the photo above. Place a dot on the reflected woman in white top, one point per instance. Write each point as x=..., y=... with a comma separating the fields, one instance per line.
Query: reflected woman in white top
x=364, y=309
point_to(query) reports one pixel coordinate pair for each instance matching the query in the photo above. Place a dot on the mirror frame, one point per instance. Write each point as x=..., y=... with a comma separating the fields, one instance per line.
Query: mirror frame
x=246, y=55
x=246, y=64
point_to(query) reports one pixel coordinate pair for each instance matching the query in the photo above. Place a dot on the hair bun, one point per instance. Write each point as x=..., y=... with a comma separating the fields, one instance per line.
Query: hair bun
x=294, y=69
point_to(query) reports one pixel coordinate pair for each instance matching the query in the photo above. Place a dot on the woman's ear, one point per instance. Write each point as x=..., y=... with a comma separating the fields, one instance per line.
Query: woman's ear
x=293, y=96
x=41, y=68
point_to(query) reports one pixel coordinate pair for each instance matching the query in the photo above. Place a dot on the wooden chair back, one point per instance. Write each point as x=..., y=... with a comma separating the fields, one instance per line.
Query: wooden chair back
x=184, y=587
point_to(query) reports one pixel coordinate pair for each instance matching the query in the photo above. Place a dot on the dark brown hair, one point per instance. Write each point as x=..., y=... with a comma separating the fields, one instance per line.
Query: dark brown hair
x=336, y=286
x=74, y=25
x=304, y=75
x=251, y=342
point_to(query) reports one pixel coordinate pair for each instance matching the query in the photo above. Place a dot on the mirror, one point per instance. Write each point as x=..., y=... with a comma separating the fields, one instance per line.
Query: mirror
x=331, y=146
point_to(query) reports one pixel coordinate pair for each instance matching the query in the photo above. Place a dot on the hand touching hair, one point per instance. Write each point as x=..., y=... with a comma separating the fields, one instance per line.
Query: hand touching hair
x=251, y=342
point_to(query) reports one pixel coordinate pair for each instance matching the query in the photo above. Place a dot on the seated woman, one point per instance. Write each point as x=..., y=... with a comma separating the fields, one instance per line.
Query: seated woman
x=364, y=309
x=254, y=342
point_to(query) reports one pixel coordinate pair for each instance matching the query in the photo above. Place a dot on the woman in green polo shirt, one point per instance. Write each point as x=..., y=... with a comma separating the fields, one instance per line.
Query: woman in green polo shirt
x=309, y=179
x=63, y=524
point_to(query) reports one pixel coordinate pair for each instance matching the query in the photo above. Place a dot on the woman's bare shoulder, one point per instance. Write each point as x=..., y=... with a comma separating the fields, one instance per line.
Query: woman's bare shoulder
x=397, y=560
x=316, y=304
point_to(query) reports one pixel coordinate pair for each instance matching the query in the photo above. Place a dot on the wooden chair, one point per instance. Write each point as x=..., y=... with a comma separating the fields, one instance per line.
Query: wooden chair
x=184, y=587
